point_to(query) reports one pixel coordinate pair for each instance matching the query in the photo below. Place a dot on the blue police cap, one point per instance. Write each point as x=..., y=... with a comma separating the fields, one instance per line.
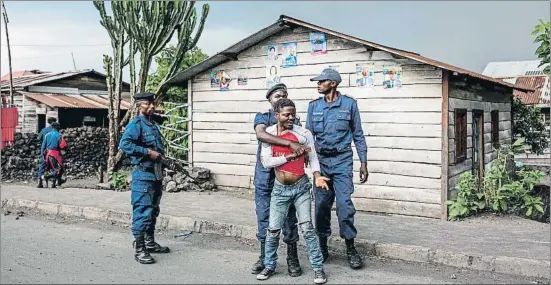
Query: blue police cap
x=144, y=96
x=279, y=86
x=328, y=74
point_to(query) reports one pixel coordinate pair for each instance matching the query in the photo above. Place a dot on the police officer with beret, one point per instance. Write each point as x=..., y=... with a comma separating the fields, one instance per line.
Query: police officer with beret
x=264, y=182
x=142, y=142
x=334, y=120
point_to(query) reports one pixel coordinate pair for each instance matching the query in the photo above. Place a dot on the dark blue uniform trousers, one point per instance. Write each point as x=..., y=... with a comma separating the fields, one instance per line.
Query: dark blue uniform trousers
x=145, y=198
x=338, y=168
x=262, y=207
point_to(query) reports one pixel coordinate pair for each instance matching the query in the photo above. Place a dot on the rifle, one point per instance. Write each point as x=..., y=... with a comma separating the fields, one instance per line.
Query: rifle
x=171, y=164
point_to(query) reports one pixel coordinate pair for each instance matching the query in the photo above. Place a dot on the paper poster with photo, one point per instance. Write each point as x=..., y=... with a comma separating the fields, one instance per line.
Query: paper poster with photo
x=214, y=79
x=365, y=76
x=273, y=75
x=273, y=52
x=242, y=76
x=288, y=54
x=225, y=80
x=318, y=43
x=392, y=77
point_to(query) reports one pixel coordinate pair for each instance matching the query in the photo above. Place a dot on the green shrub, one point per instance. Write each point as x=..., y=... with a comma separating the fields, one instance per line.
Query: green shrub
x=501, y=191
x=118, y=180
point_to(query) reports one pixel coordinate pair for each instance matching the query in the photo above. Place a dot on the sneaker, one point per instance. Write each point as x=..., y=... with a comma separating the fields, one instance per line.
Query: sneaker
x=265, y=274
x=319, y=277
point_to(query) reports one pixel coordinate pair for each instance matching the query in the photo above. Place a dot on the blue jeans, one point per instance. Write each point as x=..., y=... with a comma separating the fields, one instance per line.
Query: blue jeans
x=145, y=198
x=41, y=167
x=283, y=196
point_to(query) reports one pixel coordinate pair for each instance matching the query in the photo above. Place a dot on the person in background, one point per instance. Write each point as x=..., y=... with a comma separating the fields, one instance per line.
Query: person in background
x=264, y=182
x=334, y=120
x=51, y=147
x=292, y=187
x=42, y=162
x=142, y=142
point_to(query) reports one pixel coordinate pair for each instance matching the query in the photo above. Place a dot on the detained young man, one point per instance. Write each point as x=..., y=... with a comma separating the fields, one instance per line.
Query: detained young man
x=291, y=186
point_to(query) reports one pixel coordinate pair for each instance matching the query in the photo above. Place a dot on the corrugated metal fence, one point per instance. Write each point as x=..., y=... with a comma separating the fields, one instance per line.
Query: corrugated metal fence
x=9, y=117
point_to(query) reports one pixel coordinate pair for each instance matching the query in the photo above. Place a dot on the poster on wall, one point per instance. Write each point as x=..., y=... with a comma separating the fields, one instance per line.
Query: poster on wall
x=318, y=43
x=365, y=76
x=273, y=75
x=242, y=76
x=225, y=80
x=289, y=54
x=273, y=53
x=392, y=77
x=214, y=79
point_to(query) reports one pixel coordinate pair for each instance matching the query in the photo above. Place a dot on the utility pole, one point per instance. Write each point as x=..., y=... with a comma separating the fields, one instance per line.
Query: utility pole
x=74, y=65
x=6, y=21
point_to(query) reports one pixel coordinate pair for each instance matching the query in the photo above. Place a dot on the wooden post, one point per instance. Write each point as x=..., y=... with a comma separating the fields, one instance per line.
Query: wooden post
x=190, y=122
x=445, y=145
x=6, y=21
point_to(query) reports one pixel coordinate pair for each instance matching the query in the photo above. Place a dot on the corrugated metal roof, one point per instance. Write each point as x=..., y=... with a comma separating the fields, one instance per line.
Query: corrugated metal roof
x=20, y=73
x=29, y=80
x=74, y=101
x=279, y=26
x=531, y=97
x=504, y=69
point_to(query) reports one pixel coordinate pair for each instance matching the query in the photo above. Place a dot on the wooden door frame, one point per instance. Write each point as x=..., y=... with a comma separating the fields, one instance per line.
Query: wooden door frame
x=477, y=112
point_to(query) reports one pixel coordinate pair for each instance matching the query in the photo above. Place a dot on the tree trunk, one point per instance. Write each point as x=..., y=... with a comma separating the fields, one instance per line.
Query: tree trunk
x=108, y=64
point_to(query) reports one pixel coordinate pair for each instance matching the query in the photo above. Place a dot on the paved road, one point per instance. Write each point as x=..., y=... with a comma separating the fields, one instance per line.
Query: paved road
x=37, y=250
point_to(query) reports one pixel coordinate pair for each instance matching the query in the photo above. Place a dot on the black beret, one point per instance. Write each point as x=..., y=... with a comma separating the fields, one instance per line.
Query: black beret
x=279, y=86
x=144, y=96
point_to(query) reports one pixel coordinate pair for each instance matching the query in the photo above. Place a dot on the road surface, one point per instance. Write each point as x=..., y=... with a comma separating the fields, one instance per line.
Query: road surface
x=43, y=250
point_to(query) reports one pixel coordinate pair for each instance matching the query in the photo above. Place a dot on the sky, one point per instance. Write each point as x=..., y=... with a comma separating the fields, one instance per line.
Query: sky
x=467, y=34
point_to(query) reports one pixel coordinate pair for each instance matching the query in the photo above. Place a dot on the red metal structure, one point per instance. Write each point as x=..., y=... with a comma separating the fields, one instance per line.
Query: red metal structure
x=9, y=122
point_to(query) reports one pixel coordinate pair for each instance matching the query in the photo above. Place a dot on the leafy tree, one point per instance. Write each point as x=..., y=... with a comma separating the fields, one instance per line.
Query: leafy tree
x=541, y=31
x=163, y=60
x=528, y=123
x=175, y=127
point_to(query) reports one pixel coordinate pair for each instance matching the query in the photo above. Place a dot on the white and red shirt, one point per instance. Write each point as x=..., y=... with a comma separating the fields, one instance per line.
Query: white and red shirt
x=273, y=156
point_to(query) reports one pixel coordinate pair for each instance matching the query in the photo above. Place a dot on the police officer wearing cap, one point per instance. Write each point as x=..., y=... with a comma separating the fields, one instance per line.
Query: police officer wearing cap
x=264, y=182
x=334, y=120
x=142, y=142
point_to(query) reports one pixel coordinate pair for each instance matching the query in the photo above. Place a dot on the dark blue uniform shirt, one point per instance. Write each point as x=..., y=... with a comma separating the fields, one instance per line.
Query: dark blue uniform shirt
x=139, y=136
x=334, y=126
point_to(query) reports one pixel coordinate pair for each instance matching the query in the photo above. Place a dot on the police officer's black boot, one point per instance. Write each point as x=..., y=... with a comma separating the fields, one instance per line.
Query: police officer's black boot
x=293, y=264
x=354, y=258
x=141, y=255
x=324, y=248
x=54, y=183
x=40, y=185
x=154, y=247
x=258, y=266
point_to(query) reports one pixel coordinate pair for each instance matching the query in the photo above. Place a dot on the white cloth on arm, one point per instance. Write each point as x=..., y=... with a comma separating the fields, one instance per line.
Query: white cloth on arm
x=304, y=137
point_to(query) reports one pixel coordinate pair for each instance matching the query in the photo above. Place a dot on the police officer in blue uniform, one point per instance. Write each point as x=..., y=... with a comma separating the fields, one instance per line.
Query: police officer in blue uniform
x=334, y=120
x=42, y=163
x=264, y=182
x=142, y=142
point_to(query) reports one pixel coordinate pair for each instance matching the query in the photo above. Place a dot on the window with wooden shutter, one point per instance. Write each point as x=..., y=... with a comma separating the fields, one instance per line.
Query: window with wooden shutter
x=460, y=124
x=495, y=128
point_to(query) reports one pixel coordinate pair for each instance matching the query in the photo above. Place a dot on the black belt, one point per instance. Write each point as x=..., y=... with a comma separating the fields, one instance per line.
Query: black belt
x=144, y=168
x=326, y=151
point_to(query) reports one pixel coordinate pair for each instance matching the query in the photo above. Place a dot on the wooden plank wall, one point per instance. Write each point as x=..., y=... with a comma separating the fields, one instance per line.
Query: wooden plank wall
x=402, y=128
x=471, y=95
